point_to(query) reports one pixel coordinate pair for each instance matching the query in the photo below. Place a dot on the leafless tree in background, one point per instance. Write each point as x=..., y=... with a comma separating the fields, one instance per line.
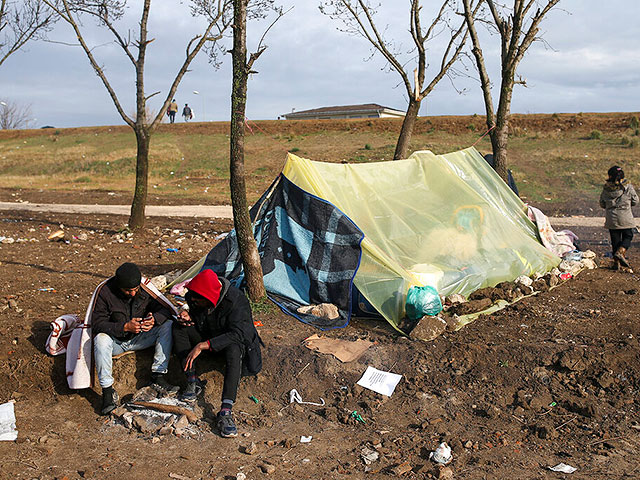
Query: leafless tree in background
x=518, y=27
x=20, y=22
x=14, y=115
x=242, y=67
x=358, y=17
x=108, y=13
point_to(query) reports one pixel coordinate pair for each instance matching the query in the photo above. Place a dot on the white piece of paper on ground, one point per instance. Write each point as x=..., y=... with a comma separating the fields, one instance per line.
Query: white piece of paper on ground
x=8, y=429
x=379, y=381
x=563, y=468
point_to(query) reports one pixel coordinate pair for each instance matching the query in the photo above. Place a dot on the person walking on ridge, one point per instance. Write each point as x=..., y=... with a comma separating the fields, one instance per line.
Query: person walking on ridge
x=172, y=110
x=187, y=113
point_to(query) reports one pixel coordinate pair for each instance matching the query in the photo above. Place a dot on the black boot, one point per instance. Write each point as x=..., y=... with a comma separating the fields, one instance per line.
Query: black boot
x=619, y=255
x=159, y=382
x=109, y=400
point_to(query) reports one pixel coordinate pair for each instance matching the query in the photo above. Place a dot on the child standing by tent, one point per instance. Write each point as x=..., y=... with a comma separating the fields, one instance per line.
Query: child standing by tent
x=617, y=198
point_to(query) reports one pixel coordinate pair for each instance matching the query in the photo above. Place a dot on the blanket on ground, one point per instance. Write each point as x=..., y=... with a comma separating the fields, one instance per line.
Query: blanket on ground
x=79, y=361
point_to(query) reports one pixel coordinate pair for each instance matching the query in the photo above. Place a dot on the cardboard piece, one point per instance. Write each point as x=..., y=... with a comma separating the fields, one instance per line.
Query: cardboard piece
x=343, y=350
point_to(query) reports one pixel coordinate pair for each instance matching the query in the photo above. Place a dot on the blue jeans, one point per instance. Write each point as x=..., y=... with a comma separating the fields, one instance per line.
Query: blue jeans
x=105, y=347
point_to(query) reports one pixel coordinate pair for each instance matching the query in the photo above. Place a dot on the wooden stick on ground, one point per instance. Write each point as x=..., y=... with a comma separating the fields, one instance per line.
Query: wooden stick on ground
x=191, y=416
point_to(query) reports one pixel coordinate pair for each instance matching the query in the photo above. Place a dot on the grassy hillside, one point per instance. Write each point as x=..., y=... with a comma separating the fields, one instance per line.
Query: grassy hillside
x=559, y=160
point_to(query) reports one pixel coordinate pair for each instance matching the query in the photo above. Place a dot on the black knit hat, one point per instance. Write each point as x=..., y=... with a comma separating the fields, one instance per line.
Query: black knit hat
x=615, y=173
x=128, y=275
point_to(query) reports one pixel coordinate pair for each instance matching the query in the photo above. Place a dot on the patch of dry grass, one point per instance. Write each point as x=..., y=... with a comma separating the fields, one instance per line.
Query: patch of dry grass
x=553, y=157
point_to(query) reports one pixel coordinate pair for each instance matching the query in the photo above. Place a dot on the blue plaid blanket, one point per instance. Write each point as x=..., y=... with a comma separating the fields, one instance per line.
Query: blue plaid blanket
x=310, y=252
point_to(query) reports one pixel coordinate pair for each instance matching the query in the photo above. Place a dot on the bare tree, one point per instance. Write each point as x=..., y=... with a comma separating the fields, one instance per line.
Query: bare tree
x=518, y=27
x=109, y=12
x=14, y=115
x=358, y=16
x=242, y=67
x=20, y=22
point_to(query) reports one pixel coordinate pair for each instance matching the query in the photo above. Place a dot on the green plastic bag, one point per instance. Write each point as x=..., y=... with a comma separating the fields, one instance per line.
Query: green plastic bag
x=422, y=301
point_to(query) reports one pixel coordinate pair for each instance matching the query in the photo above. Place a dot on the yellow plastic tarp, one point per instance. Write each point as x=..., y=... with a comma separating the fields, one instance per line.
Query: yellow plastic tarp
x=447, y=221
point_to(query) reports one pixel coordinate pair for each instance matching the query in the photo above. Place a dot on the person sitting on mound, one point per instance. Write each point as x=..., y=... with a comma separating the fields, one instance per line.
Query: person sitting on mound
x=218, y=320
x=130, y=316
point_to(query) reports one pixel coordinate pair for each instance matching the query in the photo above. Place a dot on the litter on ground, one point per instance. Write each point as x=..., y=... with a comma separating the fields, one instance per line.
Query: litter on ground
x=379, y=381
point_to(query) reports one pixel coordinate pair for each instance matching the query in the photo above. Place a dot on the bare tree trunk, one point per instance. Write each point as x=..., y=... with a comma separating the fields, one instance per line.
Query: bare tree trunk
x=137, y=217
x=242, y=222
x=409, y=122
x=500, y=134
x=499, y=138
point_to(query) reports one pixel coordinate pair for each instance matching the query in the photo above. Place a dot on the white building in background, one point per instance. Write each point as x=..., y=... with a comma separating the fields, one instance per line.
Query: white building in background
x=367, y=110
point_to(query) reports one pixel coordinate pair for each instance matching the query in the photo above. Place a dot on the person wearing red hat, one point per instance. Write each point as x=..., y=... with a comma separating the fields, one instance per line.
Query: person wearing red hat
x=218, y=320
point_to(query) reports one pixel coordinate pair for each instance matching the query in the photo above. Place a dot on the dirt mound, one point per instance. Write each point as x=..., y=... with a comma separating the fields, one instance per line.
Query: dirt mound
x=605, y=122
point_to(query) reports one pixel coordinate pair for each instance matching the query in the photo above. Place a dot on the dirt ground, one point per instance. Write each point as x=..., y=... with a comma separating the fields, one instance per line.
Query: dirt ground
x=553, y=378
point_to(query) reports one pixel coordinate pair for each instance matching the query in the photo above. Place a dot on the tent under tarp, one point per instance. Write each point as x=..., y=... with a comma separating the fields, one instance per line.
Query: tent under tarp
x=447, y=221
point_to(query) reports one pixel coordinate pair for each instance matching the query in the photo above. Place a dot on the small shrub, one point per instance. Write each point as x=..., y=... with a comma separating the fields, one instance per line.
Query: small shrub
x=294, y=150
x=518, y=131
x=633, y=143
x=555, y=116
x=595, y=135
x=471, y=127
x=57, y=132
x=263, y=305
x=624, y=140
x=634, y=122
x=637, y=132
x=84, y=179
x=367, y=146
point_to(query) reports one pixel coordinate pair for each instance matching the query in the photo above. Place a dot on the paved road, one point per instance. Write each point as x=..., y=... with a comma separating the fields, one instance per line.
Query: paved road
x=197, y=211
x=207, y=211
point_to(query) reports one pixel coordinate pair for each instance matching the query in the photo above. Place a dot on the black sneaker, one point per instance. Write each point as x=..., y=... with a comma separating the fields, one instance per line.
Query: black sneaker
x=159, y=382
x=109, y=401
x=226, y=425
x=190, y=393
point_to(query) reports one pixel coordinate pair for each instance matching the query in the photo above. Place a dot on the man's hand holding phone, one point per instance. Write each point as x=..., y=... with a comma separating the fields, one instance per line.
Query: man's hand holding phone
x=184, y=319
x=147, y=322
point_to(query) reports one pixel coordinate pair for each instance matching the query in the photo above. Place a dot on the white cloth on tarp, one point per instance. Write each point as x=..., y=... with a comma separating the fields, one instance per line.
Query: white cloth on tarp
x=8, y=430
x=558, y=242
x=379, y=381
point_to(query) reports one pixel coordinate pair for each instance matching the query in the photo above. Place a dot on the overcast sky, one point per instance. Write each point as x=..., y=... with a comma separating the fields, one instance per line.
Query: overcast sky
x=590, y=63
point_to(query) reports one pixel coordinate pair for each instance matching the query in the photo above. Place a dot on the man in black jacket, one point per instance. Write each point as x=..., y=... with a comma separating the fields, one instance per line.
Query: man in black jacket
x=218, y=320
x=129, y=316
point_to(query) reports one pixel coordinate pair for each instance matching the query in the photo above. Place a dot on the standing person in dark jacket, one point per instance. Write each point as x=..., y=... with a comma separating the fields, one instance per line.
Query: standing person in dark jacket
x=617, y=198
x=218, y=320
x=129, y=316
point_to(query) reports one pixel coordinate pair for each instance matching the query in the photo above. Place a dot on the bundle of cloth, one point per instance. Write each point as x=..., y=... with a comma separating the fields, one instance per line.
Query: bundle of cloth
x=561, y=242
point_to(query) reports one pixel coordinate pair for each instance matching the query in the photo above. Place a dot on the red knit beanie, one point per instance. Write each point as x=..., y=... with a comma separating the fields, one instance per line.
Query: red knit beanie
x=206, y=284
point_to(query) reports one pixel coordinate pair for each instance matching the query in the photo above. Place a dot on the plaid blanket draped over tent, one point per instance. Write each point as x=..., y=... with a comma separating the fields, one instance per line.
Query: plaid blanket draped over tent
x=310, y=252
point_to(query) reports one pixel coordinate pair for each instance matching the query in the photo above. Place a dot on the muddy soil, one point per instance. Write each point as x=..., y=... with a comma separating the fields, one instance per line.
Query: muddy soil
x=552, y=378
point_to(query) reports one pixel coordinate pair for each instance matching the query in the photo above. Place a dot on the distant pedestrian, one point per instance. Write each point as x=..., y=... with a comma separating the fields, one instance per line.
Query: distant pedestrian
x=172, y=110
x=187, y=113
x=617, y=198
